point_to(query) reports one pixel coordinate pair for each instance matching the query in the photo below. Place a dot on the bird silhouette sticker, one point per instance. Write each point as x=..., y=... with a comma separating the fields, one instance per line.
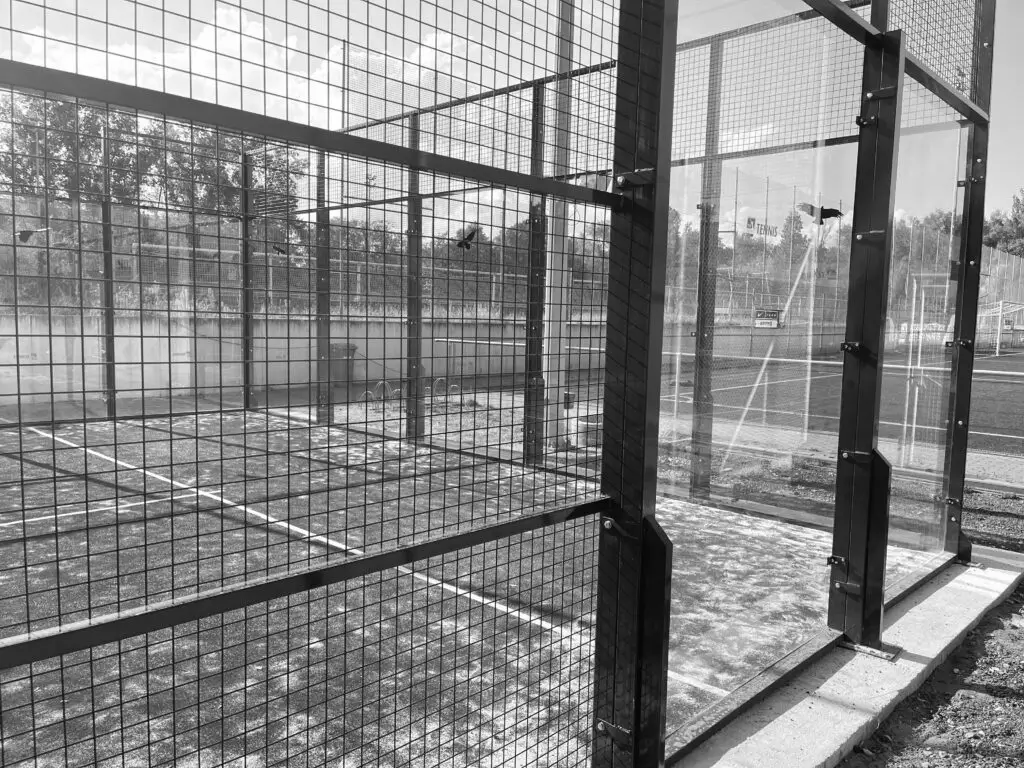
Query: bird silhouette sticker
x=467, y=239
x=278, y=249
x=819, y=214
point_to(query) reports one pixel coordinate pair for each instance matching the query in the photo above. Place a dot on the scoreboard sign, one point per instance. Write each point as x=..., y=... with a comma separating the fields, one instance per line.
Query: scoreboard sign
x=766, y=318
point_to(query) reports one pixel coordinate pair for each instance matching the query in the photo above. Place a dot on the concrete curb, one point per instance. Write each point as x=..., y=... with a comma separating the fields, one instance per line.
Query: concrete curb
x=816, y=720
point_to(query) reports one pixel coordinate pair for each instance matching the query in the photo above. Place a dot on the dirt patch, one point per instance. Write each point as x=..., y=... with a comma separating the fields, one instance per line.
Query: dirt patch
x=969, y=713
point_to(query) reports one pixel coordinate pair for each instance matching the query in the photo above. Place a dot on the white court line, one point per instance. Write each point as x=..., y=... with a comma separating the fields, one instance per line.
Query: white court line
x=695, y=683
x=770, y=383
x=319, y=539
x=92, y=510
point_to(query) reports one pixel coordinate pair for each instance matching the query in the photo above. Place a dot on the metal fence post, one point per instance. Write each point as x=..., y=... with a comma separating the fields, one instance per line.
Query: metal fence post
x=324, y=385
x=968, y=284
x=248, y=348
x=415, y=407
x=533, y=415
x=707, y=285
x=635, y=556
x=109, y=359
x=860, y=532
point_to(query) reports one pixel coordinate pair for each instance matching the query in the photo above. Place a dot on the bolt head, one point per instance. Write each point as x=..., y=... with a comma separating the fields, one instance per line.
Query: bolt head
x=952, y=519
x=860, y=237
x=607, y=525
x=600, y=727
x=871, y=94
x=971, y=263
x=846, y=454
x=960, y=422
x=837, y=585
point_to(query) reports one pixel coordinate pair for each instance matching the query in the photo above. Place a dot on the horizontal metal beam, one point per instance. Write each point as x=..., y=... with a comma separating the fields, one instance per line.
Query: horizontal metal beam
x=523, y=86
x=843, y=16
x=853, y=24
x=68, y=638
x=927, y=77
x=34, y=78
x=760, y=26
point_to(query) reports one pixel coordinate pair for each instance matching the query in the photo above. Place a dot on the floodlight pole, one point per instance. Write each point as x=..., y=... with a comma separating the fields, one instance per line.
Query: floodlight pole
x=109, y=349
x=965, y=326
x=533, y=408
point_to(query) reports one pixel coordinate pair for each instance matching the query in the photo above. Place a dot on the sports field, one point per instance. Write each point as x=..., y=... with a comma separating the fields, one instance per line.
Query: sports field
x=434, y=659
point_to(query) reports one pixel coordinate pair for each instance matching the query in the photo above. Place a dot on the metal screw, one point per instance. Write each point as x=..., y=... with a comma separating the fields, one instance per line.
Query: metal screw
x=871, y=94
x=952, y=519
x=621, y=181
x=837, y=585
x=600, y=727
x=607, y=526
x=846, y=454
x=986, y=44
x=979, y=160
x=860, y=237
x=971, y=263
x=960, y=422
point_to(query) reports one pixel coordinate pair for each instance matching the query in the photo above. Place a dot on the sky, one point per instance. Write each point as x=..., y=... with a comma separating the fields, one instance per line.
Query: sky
x=368, y=62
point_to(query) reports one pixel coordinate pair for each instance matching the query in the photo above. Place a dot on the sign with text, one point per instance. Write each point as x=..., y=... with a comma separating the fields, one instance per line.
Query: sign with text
x=766, y=318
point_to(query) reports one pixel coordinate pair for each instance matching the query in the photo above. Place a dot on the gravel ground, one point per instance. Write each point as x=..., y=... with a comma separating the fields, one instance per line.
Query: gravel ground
x=970, y=712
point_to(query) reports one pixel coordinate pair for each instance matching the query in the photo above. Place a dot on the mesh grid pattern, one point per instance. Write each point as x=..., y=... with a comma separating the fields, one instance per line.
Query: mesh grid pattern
x=942, y=33
x=481, y=657
x=804, y=87
x=220, y=469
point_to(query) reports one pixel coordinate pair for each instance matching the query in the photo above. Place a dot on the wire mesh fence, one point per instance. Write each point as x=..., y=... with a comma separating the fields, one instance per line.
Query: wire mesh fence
x=280, y=483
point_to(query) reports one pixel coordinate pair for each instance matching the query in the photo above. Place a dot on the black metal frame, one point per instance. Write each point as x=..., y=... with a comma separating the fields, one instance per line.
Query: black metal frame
x=324, y=385
x=248, y=288
x=533, y=415
x=415, y=405
x=968, y=283
x=707, y=284
x=634, y=569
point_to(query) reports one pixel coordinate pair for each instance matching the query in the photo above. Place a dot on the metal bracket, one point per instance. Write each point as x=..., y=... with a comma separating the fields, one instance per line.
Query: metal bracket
x=853, y=347
x=870, y=236
x=621, y=737
x=953, y=502
x=865, y=122
x=889, y=92
x=857, y=457
x=836, y=560
x=965, y=343
x=886, y=652
x=610, y=525
x=643, y=177
x=848, y=587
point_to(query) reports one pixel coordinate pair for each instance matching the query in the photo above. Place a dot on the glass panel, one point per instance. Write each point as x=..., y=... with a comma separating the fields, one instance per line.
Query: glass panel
x=749, y=411
x=922, y=298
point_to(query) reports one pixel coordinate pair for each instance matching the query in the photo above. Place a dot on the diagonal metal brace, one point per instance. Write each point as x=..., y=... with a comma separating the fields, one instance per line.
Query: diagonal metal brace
x=610, y=525
x=621, y=737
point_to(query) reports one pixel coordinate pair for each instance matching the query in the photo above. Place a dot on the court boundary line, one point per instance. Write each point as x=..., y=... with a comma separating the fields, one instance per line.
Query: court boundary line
x=327, y=542
x=87, y=511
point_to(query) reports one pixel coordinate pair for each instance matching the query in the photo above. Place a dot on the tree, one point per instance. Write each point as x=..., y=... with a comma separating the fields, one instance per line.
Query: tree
x=1005, y=229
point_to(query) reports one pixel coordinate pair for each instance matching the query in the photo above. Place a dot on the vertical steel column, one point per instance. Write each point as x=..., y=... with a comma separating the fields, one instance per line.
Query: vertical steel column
x=862, y=477
x=324, y=385
x=109, y=360
x=558, y=280
x=248, y=347
x=635, y=560
x=968, y=284
x=415, y=421
x=707, y=284
x=533, y=416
